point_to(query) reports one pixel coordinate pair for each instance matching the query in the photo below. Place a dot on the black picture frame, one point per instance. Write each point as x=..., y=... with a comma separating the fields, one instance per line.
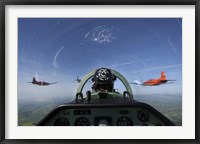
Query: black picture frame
x=4, y=3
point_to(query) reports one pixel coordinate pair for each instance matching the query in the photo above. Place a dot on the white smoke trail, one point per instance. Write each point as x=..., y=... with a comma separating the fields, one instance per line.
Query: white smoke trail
x=179, y=23
x=101, y=34
x=55, y=64
x=132, y=62
x=161, y=67
x=171, y=45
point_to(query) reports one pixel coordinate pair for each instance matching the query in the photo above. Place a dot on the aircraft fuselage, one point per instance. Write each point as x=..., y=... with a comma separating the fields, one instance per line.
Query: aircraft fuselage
x=40, y=83
x=154, y=82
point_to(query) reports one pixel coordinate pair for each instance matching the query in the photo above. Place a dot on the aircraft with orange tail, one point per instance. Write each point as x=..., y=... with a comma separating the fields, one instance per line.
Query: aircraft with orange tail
x=155, y=82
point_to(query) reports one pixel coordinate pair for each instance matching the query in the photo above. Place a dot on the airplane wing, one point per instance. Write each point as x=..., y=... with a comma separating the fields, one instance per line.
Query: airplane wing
x=136, y=83
x=164, y=83
x=169, y=83
x=133, y=83
x=52, y=83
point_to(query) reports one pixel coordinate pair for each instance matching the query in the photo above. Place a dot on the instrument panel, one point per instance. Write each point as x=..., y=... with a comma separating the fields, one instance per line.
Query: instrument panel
x=138, y=114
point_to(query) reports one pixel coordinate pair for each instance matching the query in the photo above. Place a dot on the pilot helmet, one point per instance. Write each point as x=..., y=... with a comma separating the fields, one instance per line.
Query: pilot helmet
x=103, y=79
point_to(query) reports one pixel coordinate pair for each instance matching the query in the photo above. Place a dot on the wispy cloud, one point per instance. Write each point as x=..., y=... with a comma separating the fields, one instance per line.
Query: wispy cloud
x=171, y=45
x=55, y=64
x=159, y=67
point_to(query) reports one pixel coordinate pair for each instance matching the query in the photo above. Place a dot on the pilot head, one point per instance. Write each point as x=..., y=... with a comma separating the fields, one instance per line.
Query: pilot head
x=103, y=79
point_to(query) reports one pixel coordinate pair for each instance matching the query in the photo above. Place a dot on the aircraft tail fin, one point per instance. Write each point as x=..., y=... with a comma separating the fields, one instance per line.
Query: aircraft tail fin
x=162, y=77
x=34, y=80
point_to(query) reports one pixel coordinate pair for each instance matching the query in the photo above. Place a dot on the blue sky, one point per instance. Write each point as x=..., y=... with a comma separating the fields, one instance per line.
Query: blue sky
x=60, y=49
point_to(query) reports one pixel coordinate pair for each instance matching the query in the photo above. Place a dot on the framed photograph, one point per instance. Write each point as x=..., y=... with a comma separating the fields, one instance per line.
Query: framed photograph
x=108, y=72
